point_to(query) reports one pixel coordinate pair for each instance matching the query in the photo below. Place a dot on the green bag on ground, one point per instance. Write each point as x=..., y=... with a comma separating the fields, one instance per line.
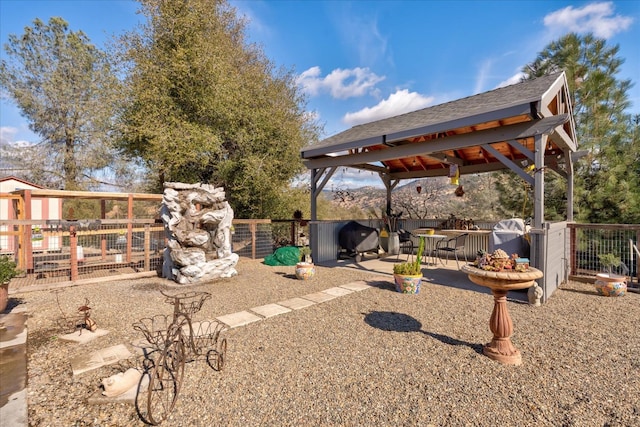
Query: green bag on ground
x=287, y=255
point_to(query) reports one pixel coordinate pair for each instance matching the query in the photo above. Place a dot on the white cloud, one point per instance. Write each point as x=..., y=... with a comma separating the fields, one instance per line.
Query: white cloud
x=402, y=101
x=596, y=18
x=516, y=78
x=340, y=84
x=483, y=73
x=363, y=34
x=8, y=135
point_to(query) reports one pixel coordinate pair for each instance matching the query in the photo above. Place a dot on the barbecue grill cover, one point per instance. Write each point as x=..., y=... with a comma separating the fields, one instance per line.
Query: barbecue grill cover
x=509, y=235
x=355, y=237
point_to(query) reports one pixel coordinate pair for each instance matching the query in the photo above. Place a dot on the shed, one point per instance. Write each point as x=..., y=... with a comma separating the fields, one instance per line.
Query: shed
x=44, y=208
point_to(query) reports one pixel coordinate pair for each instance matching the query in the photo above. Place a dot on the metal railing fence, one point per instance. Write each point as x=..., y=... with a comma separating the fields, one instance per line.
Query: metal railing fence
x=589, y=241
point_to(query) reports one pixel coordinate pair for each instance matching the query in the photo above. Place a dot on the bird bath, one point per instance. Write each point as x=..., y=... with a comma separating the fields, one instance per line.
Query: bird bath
x=501, y=348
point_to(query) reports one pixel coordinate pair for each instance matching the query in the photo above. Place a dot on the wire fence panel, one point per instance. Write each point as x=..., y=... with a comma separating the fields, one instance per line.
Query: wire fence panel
x=589, y=241
x=252, y=238
x=52, y=251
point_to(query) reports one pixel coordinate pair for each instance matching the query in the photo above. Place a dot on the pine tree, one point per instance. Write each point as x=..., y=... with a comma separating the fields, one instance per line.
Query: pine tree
x=606, y=180
x=66, y=88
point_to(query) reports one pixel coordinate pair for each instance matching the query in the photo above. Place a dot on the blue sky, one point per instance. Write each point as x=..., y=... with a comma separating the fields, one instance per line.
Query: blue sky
x=364, y=60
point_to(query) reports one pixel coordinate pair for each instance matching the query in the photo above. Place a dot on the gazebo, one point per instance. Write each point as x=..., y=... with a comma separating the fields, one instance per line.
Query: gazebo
x=526, y=127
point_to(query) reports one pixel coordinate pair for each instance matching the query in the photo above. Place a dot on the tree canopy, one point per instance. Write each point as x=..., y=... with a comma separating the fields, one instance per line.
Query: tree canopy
x=206, y=106
x=66, y=88
x=607, y=179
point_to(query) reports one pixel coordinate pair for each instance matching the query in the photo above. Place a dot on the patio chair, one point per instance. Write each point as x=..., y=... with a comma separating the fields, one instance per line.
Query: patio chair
x=452, y=246
x=406, y=243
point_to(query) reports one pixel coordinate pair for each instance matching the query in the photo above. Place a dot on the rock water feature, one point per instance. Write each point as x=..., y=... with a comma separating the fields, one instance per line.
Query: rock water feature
x=197, y=219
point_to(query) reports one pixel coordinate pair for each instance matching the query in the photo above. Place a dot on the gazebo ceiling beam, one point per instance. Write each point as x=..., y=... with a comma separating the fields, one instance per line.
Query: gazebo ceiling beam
x=509, y=163
x=521, y=148
x=488, y=136
x=464, y=170
x=370, y=168
x=441, y=157
x=325, y=177
x=420, y=163
x=561, y=138
x=512, y=111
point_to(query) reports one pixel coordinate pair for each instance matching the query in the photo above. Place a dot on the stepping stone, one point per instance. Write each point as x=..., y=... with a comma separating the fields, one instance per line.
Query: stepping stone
x=14, y=412
x=319, y=297
x=338, y=291
x=240, y=318
x=270, y=310
x=84, y=337
x=13, y=329
x=356, y=286
x=13, y=373
x=142, y=347
x=296, y=303
x=106, y=356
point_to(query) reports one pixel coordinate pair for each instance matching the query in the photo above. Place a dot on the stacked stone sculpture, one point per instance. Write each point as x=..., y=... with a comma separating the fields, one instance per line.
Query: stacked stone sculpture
x=197, y=220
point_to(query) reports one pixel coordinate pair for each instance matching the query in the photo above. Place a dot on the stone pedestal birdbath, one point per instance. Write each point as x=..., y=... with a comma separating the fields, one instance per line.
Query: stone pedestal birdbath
x=501, y=348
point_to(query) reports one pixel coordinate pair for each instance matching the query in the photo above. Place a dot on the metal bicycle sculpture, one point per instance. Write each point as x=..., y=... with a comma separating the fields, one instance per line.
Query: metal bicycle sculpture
x=175, y=340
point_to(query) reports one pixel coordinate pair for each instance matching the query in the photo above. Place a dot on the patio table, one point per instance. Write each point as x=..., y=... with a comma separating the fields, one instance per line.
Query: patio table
x=430, y=246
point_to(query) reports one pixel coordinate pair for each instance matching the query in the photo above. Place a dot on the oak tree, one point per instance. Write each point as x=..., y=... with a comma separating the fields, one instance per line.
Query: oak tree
x=204, y=105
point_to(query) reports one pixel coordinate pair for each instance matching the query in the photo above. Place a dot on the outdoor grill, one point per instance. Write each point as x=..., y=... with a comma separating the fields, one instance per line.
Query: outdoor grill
x=510, y=236
x=356, y=239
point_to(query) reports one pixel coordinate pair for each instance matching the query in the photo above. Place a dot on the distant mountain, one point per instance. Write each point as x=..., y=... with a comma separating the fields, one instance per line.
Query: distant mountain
x=437, y=198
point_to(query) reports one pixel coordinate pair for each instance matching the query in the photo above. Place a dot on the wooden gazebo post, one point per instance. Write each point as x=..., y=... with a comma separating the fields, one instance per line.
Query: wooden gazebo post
x=26, y=249
x=129, y=227
x=103, y=242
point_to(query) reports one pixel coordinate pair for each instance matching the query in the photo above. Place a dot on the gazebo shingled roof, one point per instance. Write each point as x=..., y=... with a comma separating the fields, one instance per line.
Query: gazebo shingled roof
x=529, y=123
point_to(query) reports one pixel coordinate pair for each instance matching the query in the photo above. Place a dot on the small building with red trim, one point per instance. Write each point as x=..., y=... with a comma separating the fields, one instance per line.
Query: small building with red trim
x=42, y=208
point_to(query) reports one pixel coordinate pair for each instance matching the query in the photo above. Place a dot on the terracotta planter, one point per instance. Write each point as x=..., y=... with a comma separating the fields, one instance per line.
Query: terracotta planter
x=407, y=284
x=305, y=270
x=610, y=285
x=4, y=296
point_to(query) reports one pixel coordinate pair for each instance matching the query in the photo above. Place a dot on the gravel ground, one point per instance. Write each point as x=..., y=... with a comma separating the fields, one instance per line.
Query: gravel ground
x=374, y=357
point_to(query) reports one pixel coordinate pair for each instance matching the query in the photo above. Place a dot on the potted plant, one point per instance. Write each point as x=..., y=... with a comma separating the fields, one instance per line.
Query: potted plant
x=610, y=284
x=408, y=275
x=389, y=238
x=305, y=268
x=8, y=271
